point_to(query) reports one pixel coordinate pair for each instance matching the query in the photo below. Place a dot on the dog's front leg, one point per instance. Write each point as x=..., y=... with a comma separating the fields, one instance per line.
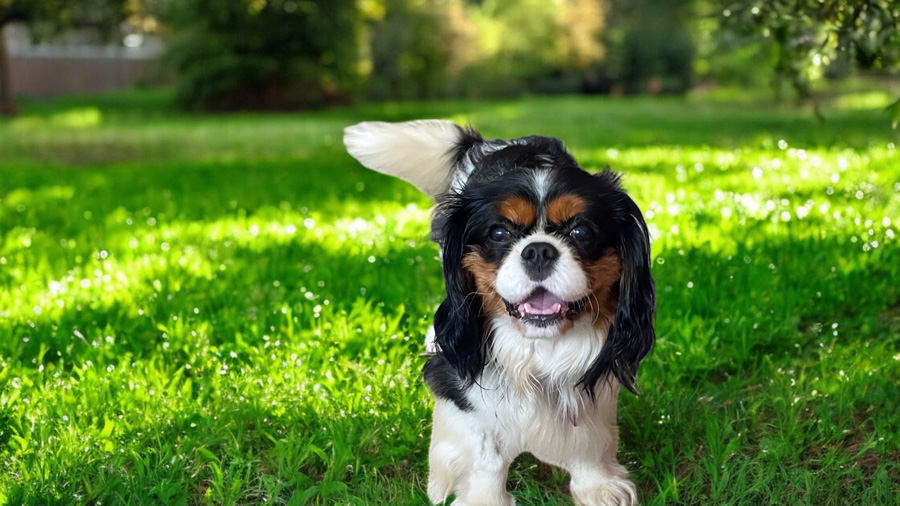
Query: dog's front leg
x=601, y=484
x=465, y=459
x=597, y=477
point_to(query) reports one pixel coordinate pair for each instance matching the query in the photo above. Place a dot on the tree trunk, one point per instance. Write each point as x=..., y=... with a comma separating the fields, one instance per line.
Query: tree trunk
x=7, y=106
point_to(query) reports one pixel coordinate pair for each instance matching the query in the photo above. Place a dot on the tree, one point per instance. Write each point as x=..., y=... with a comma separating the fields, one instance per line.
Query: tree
x=808, y=35
x=48, y=17
x=653, y=50
x=532, y=45
x=263, y=54
x=410, y=49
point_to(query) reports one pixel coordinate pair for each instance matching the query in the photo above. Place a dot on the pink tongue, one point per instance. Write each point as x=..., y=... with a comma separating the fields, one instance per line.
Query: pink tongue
x=542, y=303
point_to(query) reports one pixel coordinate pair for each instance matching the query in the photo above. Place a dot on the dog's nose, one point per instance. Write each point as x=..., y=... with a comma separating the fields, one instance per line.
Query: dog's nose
x=539, y=258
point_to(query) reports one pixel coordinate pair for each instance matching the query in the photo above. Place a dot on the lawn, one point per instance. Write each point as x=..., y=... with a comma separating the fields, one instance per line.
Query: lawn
x=230, y=310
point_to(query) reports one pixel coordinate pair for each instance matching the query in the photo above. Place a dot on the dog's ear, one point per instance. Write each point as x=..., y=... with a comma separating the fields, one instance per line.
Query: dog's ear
x=459, y=322
x=631, y=335
x=424, y=152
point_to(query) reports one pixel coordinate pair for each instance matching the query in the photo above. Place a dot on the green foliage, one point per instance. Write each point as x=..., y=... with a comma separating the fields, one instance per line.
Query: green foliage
x=53, y=15
x=431, y=48
x=811, y=36
x=655, y=52
x=230, y=310
x=263, y=54
x=532, y=46
x=410, y=53
x=46, y=18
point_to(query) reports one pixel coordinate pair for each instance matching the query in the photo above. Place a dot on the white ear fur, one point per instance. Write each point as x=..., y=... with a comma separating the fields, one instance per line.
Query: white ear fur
x=418, y=152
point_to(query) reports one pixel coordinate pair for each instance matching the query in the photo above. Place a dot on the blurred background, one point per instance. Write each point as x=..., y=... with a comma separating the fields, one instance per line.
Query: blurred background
x=293, y=54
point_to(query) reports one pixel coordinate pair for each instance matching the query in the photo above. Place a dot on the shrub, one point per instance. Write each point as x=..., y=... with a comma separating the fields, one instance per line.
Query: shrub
x=263, y=54
x=655, y=52
x=410, y=53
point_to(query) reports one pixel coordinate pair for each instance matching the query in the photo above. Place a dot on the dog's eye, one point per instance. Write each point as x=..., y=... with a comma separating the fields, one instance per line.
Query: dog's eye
x=580, y=233
x=499, y=233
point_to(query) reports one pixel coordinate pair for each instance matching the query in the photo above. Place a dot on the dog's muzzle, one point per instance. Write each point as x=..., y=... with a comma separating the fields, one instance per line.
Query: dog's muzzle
x=544, y=309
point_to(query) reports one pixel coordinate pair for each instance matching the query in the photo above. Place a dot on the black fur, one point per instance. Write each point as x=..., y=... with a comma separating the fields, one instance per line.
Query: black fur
x=459, y=322
x=632, y=335
x=468, y=138
x=517, y=154
x=444, y=381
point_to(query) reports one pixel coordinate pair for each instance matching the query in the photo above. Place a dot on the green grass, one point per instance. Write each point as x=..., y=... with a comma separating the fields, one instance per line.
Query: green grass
x=229, y=309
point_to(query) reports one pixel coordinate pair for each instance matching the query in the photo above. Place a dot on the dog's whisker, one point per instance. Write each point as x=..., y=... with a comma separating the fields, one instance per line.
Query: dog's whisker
x=594, y=311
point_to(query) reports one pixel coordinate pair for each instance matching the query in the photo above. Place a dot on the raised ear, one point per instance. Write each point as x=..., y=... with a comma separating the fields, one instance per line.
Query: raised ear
x=422, y=152
x=631, y=335
x=458, y=322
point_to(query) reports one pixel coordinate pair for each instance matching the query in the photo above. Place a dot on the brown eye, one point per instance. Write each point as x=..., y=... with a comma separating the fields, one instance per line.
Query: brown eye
x=499, y=234
x=580, y=233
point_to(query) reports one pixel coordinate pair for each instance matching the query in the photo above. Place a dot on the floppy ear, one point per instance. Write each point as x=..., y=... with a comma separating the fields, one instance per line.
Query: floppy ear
x=631, y=335
x=420, y=152
x=458, y=322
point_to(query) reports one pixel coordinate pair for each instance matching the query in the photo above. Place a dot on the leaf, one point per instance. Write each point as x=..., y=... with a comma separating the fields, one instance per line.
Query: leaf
x=108, y=427
x=299, y=499
x=207, y=455
x=313, y=449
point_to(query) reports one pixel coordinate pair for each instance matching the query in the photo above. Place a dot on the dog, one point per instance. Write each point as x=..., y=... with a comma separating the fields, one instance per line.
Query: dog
x=549, y=306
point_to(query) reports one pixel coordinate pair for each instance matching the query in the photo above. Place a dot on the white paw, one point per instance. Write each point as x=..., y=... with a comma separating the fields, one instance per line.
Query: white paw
x=439, y=496
x=506, y=500
x=615, y=492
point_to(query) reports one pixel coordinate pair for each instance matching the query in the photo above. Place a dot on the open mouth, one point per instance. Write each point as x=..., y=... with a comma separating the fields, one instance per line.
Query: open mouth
x=543, y=309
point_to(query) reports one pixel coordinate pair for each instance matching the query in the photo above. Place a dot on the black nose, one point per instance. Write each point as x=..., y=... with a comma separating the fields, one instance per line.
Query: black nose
x=539, y=258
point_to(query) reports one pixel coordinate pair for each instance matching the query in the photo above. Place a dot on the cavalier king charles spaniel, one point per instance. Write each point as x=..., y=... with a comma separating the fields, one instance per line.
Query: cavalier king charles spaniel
x=549, y=306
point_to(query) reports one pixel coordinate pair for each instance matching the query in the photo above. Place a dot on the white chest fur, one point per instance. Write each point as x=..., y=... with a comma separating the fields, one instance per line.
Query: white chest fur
x=528, y=400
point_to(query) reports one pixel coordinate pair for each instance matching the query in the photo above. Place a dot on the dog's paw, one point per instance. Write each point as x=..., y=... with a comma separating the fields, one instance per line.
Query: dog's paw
x=614, y=492
x=438, y=494
x=505, y=500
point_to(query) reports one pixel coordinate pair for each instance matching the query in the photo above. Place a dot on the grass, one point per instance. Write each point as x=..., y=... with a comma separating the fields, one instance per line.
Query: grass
x=229, y=310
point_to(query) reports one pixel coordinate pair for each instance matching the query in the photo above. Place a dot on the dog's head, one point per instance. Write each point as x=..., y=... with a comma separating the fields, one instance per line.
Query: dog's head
x=527, y=238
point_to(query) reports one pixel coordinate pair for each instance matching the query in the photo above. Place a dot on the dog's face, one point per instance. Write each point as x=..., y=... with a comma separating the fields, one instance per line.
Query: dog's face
x=541, y=249
x=528, y=239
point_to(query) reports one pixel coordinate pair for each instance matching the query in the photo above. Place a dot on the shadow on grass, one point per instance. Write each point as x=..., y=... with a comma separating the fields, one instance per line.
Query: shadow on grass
x=242, y=452
x=769, y=298
x=250, y=290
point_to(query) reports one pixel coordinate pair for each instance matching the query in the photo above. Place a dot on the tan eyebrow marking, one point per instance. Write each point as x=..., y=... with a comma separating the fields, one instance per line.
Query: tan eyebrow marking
x=518, y=210
x=562, y=208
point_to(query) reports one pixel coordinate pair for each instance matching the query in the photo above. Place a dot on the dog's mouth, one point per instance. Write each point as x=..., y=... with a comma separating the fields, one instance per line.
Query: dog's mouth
x=544, y=309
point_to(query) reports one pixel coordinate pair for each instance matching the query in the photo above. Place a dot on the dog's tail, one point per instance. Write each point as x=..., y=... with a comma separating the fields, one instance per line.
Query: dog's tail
x=423, y=152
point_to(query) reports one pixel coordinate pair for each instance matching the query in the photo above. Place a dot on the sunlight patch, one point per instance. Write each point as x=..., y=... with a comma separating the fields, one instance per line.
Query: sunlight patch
x=85, y=117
